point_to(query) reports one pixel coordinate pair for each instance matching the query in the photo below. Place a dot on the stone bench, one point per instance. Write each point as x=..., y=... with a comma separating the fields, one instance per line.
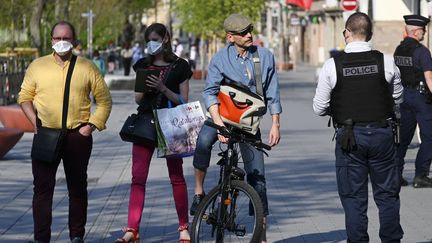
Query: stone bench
x=15, y=123
x=8, y=138
x=13, y=117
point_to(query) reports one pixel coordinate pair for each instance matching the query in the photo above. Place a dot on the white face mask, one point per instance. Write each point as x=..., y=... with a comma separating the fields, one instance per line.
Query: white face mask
x=154, y=47
x=62, y=47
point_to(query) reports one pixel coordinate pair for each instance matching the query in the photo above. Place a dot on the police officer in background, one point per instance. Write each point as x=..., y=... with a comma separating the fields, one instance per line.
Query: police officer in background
x=358, y=88
x=415, y=64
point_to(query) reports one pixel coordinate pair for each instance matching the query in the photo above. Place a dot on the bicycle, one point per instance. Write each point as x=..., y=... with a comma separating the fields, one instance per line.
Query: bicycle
x=232, y=210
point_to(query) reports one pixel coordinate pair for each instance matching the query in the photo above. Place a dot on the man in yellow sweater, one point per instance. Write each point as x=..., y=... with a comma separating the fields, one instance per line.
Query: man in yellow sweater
x=41, y=99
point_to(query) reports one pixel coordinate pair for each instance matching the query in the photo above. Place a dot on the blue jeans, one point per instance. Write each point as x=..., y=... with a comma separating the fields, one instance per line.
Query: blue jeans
x=253, y=161
x=374, y=157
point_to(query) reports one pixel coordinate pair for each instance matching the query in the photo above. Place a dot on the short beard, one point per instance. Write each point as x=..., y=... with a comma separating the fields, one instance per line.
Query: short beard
x=245, y=47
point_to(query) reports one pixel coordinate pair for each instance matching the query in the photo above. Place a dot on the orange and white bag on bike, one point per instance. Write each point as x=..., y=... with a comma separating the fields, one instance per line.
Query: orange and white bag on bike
x=241, y=107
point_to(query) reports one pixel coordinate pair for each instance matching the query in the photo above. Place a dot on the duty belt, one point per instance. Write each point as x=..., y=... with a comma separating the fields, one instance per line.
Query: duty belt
x=376, y=124
x=421, y=87
x=412, y=86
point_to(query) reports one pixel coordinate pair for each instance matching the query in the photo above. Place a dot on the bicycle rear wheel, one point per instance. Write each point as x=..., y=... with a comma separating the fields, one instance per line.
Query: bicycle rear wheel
x=243, y=221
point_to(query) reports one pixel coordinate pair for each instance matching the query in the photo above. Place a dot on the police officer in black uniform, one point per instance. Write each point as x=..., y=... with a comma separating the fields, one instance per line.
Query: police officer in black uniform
x=415, y=64
x=359, y=88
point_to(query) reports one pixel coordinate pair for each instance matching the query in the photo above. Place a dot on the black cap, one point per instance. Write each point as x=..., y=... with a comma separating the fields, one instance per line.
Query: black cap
x=416, y=20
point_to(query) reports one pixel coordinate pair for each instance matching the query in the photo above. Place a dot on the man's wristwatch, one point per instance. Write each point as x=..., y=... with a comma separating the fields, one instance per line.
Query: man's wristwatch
x=93, y=127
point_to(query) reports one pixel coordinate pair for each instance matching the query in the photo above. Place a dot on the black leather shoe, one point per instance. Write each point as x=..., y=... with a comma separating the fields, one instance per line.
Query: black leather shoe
x=77, y=240
x=404, y=182
x=195, y=202
x=422, y=181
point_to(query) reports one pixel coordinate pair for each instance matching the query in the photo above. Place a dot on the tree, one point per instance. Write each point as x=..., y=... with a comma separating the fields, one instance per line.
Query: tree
x=107, y=25
x=35, y=24
x=110, y=18
x=14, y=19
x=61, y=6
x=205, y=17
x=128, y=33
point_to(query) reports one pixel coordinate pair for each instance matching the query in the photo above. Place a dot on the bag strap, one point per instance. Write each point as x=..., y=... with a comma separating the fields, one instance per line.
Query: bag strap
x=67, y=91
x=169, y=71
x=257, y=67
x=165, y=78
x=179, y=97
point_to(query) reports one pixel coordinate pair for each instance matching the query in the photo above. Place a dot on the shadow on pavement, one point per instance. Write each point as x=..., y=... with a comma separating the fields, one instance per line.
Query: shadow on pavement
x=329, y=237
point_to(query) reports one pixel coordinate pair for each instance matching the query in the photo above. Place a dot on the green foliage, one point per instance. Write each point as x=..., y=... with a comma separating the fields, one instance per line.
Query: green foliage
x=201, y=17
x=14, y=18
x=13, y=13
x=107, y=24
x=109, y=20
x=205, y=17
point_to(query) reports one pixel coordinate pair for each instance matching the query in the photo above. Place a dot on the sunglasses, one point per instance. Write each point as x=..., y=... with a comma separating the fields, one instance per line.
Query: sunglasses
x=244, y=32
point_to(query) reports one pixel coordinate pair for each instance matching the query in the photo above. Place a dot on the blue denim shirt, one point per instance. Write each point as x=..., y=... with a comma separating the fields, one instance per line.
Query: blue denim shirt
x=227, y=63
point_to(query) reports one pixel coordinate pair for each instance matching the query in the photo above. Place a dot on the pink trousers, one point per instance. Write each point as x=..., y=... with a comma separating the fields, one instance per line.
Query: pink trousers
x=141, y=157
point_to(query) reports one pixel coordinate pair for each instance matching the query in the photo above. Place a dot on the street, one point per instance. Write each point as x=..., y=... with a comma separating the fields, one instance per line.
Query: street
x=301, y=183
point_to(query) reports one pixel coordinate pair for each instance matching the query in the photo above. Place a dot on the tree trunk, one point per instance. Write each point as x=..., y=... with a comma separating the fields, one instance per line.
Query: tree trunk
x=35, y=24
x=57, y=10
x=66, y=10
x=61, y=10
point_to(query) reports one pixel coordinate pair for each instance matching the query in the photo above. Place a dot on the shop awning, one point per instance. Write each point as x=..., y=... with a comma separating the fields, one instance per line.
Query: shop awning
x=306, y=4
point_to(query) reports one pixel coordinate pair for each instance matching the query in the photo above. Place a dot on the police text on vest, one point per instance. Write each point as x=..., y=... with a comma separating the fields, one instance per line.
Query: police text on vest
x=362, y=70
x=403, y=61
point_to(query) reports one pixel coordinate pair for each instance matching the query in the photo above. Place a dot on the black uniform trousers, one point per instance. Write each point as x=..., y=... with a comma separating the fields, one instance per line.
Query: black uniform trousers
x=415, y=110
x=374, y=157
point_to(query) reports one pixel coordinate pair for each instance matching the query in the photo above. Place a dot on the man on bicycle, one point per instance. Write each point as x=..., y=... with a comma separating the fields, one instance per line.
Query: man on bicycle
x=235, y=62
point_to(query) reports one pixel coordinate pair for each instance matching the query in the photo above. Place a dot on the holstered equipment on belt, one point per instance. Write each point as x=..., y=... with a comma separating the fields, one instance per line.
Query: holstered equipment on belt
x=347, y=140
x=396, y=124
x=424, y=90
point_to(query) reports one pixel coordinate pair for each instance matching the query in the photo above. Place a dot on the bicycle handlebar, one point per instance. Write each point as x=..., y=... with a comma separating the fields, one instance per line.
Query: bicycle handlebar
x=238, y=136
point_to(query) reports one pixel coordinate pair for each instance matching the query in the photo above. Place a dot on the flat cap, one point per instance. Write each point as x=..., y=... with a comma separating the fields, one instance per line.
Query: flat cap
x=416, y=20
x=236, y=23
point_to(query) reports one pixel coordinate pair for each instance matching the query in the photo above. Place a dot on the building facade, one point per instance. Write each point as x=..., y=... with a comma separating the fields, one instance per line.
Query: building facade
x=320, y=29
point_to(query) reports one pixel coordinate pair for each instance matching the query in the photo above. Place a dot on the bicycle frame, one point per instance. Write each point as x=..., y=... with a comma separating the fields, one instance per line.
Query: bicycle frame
x=225, y=196
x=227, y=173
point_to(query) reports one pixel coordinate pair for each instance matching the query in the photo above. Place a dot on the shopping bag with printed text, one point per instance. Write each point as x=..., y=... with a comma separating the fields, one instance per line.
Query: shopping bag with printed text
x=180, y=127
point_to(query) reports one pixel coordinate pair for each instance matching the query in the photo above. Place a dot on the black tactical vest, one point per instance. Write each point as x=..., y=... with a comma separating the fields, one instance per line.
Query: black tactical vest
x=403, y=56
x=362, y=92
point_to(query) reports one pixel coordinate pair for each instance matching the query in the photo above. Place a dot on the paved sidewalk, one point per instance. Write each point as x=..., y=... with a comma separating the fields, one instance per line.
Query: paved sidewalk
x=304, y=204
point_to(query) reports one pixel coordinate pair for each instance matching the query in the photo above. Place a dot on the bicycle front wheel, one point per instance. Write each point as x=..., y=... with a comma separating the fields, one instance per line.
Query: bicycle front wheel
x=242, y=217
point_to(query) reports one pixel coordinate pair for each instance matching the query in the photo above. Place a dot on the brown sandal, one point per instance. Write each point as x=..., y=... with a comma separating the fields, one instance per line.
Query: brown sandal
x=133, y=239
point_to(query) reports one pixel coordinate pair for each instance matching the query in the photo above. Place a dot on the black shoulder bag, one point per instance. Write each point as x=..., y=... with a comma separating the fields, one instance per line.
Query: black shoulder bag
x=48, y=142
x=141, y=128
